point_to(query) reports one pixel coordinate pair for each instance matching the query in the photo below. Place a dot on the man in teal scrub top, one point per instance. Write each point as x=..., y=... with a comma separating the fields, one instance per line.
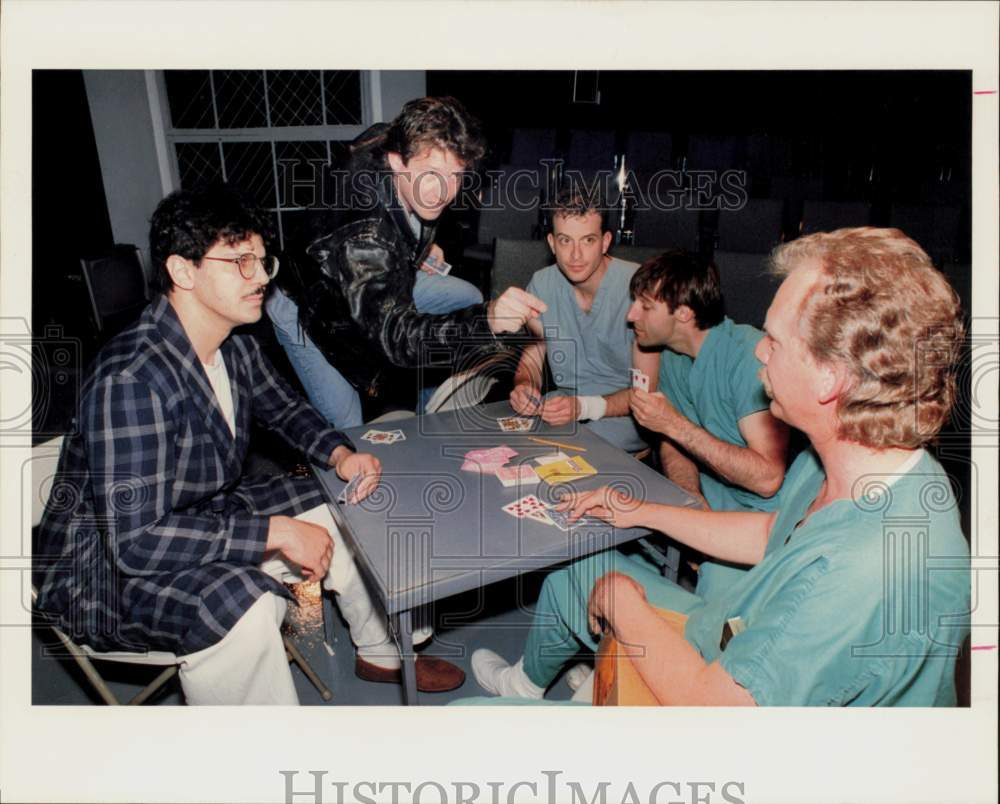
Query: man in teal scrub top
x=589, y=343
x=719, y=440
x=859, y=593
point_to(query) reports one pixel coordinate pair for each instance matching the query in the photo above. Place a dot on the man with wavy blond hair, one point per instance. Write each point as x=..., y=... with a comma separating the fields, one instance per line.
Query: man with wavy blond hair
x=859, y=592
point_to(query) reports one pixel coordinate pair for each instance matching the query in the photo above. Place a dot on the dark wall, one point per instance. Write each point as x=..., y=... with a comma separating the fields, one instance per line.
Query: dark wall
x=69, y=210
x=908, y=124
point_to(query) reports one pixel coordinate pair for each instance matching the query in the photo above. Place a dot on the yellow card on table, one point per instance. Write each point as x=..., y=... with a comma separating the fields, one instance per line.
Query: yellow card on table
x=565, y=471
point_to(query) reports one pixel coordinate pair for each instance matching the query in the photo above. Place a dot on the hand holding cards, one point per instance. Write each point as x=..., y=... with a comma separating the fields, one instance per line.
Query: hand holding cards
x=439, y=267
x=639, y=380
x=348, y=494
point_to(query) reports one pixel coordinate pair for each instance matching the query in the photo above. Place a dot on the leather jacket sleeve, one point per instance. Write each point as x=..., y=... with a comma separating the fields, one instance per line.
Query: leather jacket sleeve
x=377, y=288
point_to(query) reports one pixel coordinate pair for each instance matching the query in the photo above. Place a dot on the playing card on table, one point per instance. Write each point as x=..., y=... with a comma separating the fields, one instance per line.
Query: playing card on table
x=528, y=507
x=487, y=461
x=553, y=457
x=639, y=380
x=514, y=424
x=350, y=488
x=396, y=435
x=514, y=475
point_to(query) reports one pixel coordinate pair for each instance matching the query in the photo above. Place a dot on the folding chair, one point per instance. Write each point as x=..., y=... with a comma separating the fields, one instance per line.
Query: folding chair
x=45, y=459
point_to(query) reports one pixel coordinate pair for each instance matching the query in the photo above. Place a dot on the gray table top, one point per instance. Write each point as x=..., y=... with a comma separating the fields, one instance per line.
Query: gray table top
x=432, y=530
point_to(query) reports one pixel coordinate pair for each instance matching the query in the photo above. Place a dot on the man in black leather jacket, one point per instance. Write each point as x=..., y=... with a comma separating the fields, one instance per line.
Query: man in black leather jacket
x=353, y=286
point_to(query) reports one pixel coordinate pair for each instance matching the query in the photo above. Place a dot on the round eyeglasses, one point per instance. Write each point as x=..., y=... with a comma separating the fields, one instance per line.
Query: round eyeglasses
x=247, y=263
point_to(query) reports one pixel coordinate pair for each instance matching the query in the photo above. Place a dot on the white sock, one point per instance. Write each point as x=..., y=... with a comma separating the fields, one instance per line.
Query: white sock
x=495, y=675
x=515, y=682
x=577, y=675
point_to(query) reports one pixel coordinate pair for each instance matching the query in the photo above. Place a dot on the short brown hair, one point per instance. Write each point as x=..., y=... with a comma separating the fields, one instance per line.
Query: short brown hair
x=436, y=122
x=885, y=312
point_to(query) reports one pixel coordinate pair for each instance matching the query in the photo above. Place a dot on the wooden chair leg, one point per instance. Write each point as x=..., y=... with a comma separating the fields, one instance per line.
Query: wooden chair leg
x=143, y=695
x=88, y=669
x=296, y=656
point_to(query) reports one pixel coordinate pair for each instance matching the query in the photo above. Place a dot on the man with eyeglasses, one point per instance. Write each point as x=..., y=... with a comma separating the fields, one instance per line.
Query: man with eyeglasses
x=153, y=538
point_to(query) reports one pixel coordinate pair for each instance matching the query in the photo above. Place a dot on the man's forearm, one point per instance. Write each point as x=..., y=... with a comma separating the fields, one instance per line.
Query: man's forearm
x=737, y=536
x=679, y=468
x=738, y=466
x=617, y=403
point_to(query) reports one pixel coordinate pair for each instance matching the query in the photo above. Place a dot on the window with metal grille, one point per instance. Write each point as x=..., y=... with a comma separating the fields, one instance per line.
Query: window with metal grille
x=270, y=133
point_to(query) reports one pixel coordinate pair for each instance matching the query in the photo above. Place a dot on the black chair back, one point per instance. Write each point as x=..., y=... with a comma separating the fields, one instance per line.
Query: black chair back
x=116, y=287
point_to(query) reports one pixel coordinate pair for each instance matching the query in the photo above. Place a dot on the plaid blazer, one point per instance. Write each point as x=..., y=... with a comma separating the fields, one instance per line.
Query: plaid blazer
x=152, y=537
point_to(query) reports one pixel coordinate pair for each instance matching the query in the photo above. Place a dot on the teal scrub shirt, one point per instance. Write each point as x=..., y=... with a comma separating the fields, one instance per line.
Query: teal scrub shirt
x=714, y=391
x=865, y=604
x=589, y=353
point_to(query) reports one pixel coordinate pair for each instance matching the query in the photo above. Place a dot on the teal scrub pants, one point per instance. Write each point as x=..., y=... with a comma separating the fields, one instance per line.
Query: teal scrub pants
x=560, y=623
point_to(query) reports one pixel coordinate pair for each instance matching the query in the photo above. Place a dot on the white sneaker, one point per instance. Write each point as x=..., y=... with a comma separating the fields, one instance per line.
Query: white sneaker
x=498, y=676
x=578, y=674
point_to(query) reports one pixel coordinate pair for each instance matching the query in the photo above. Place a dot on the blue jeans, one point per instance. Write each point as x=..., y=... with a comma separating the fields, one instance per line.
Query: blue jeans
x=333, y=396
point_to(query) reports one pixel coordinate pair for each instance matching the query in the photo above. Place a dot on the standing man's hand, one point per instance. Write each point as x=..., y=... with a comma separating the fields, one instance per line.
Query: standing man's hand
x=525, y=399
x=435, y=253
x=514, y=307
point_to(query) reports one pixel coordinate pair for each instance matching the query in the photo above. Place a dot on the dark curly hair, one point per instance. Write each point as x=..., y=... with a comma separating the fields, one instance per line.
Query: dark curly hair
x=679, y=277
x=189, y=222
x=428, y=123
x=883, y=310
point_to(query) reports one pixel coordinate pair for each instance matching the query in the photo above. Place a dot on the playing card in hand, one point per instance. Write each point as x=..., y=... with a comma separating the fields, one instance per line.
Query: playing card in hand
x=561, y=519
x=346, y=496
x=639, y=380
x=437, y=266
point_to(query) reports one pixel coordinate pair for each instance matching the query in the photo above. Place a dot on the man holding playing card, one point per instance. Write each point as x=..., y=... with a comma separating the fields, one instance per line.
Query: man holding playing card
x=725, y=446
x=859, y=587
x=719, y=439
x=590, y=347
x=157, y=539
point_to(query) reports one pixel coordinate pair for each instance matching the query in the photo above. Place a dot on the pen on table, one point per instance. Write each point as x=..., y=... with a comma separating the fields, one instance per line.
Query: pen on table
x=555, y=443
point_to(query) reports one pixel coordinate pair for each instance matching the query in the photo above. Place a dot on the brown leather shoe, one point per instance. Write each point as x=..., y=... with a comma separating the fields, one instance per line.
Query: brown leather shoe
x=433, y=674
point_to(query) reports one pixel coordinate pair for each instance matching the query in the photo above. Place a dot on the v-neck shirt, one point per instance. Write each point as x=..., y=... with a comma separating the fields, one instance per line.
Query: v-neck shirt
x=589, y=352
